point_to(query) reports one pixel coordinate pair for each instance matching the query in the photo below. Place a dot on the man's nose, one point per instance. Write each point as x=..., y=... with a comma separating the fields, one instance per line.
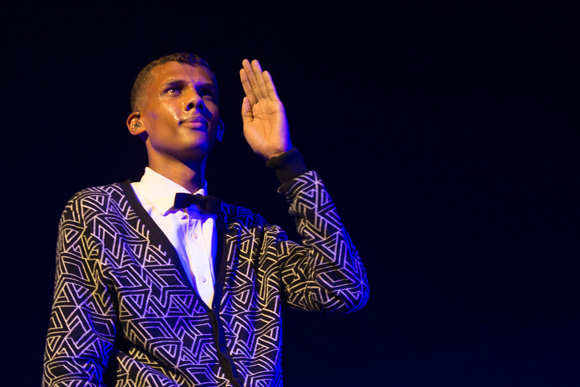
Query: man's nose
x=194, y=101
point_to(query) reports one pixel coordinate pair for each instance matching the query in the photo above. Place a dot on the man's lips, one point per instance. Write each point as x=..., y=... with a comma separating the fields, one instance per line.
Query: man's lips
x=196, y=122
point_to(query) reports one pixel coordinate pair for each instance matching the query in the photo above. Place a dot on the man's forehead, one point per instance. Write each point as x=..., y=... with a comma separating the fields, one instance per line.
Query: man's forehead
x=180, y=71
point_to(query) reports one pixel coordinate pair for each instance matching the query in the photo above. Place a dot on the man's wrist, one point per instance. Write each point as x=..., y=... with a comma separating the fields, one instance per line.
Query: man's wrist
x=287, y=166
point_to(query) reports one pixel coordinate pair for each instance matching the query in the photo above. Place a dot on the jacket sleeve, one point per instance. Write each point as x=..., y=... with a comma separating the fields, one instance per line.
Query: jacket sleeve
x=325, y=272
x=81, y=331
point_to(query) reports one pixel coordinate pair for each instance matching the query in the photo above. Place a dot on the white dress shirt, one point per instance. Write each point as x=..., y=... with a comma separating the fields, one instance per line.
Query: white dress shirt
x=189, y=231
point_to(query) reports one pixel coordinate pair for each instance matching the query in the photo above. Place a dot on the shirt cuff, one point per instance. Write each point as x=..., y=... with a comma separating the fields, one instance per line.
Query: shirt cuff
x=287, y=166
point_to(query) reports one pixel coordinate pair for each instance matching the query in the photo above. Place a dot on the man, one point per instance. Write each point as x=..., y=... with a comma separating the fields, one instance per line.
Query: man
x=157, y=287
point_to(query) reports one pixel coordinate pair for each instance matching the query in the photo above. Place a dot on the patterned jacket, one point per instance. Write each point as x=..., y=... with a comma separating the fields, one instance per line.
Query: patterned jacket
x=125, y=314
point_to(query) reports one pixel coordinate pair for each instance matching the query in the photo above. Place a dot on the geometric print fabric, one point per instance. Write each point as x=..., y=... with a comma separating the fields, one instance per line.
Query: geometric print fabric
x=125, y=314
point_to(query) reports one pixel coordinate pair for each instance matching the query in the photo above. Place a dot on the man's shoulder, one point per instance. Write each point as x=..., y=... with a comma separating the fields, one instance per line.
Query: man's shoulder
x=242, y=217
x=114, y=190
x=99, y=201
x=233, y=212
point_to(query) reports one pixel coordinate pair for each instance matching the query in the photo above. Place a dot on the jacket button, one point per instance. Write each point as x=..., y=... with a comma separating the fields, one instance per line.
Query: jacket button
x=223, y=347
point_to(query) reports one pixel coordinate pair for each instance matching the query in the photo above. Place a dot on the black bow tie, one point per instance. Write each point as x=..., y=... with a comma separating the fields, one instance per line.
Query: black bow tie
x=183, y=200
x=207, y=204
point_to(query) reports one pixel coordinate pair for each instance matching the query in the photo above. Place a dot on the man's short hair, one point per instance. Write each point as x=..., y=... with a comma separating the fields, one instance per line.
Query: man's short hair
x=144, y=76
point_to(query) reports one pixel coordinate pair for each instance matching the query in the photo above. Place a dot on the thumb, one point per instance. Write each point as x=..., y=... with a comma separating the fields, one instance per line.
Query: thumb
x=247, y=115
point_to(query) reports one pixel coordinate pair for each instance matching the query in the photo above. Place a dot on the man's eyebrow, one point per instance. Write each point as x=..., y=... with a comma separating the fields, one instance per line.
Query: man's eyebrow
x=174, y=82
x=180, y=82
x=206, y=84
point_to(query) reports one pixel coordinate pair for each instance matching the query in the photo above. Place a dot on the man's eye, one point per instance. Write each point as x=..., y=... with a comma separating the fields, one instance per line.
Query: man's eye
x=206, y=93
x=172, y=90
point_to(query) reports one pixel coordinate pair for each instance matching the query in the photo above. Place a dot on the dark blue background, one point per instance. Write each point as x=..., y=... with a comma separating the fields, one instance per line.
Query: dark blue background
x=447, y=133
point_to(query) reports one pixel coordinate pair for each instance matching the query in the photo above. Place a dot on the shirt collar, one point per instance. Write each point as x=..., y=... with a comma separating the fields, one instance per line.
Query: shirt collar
x=160, y=191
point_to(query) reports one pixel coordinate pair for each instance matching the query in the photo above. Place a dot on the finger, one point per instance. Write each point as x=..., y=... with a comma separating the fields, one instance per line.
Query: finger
x=247, y=87
x=259, y=74
x=247, y=115
x=252, y=78
x=272, y=93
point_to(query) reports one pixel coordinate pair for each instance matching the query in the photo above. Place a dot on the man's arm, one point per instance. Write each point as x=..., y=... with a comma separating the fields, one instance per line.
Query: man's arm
x=81, y=332
x=325, y=273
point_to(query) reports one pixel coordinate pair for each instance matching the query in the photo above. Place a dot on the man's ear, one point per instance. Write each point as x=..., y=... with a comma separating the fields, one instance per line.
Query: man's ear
x=134, y=124
x=220, y=131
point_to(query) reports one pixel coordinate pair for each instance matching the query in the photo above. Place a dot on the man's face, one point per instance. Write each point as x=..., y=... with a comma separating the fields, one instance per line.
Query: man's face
x=180, y=114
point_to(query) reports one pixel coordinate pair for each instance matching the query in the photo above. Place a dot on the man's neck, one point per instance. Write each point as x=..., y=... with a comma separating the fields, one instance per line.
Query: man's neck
x=190, y=177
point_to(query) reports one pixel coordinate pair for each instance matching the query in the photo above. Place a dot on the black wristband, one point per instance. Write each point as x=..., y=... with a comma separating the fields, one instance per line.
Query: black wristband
x=287, y=166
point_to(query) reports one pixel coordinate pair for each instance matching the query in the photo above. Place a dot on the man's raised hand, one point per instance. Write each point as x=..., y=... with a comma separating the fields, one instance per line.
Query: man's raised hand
x=265, y=124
